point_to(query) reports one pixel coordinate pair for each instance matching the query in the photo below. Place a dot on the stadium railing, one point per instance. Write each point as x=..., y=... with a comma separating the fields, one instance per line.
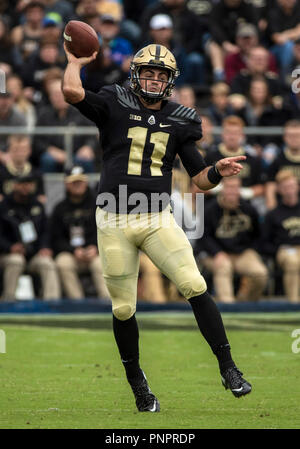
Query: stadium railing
x=69, y=131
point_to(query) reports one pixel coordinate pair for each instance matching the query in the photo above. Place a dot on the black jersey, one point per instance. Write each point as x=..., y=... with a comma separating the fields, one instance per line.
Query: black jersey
x=140, y=144
x=285, y=160
x=8, y=175
x=252, y=169
x=281, y=227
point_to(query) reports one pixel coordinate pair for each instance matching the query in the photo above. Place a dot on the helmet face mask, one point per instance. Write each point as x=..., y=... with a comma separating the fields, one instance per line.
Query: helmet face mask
x=153, y=57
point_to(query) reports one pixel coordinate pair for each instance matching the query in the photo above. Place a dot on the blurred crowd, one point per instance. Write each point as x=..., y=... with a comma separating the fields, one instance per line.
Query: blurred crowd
x=239, y=62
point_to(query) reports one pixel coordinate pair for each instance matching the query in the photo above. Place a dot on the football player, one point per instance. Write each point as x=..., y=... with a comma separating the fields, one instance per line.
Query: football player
x=141, y=133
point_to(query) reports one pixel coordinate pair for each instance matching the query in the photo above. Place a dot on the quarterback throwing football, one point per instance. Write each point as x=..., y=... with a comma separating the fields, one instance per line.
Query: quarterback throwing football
x=141, y=133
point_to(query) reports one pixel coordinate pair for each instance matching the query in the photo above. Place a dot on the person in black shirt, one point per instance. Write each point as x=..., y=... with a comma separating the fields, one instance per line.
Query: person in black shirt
x=141, y=135
x=24, y=241
x=281, y=233
x=233, y=144
x=284, y=29
x=288, y=159
x=74, y=236
x=18, y=165
x=257, y=64
x=231, y=236
x=49, y=153
x=225, y=18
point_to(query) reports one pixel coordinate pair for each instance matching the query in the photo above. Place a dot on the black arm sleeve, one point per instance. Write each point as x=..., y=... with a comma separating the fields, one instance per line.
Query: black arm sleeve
x=191, y=158
x=95, y=106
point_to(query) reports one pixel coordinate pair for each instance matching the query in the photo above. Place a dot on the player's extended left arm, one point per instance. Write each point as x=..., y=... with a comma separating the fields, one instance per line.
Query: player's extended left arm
x=209, y=177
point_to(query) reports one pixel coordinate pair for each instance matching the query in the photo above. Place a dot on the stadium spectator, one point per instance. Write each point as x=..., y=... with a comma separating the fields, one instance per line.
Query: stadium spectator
x=262, y=8
x=18, y=165
x=26, y=36
x=281, y=233
x=202, y=8
x=42, y=100
x=7, y=52
x=62, y=8
x=52, y=29
x=186, y=96
x=102, y=71
x=219, y=107
x=121, y=49
x=261, y=109
x=233, y=144
x=225, y=17
x=36, y=66
x=9, y=116
x=74, y=236
x=288, y=159
x=284, y=29
x=257, y=64
x=48, y=150
x=188, y=29
x=192, y=65
x=87, y=10
x=24, y=241
x=14, y=85
x=161, y=33
x=129, y=29
x=231, y=236
x=209, y=140
x=246, y=38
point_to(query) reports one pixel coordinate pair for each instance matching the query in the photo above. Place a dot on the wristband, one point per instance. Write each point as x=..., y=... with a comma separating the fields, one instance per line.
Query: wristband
x=213, y=175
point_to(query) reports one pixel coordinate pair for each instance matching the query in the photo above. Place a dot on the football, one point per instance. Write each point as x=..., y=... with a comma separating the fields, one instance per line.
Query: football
x=81, y=39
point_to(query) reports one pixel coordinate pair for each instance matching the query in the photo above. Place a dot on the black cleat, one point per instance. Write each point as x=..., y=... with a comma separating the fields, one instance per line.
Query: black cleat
x=232, y=379
x=144, y=398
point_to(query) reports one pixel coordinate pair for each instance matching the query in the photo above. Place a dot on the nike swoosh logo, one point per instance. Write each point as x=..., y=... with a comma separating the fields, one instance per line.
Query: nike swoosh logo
x=163, y=126
x=237, y=389
x=153, y=409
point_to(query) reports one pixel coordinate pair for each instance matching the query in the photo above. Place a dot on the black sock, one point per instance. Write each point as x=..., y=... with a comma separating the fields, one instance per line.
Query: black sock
x=127, y=338
x=211, y=326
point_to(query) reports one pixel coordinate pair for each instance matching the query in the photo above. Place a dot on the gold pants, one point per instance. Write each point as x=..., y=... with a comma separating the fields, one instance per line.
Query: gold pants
x=121, y=236
x=15, y=264
x=248, y=264
x=289, y=260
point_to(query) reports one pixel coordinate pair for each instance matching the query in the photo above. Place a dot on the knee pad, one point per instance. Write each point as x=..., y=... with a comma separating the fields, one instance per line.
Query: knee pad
x=192, y=285
x=123, y=312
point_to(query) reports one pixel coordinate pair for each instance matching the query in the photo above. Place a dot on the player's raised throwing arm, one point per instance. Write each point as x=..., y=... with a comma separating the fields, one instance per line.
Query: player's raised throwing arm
x=71, y=85
x=209, y=177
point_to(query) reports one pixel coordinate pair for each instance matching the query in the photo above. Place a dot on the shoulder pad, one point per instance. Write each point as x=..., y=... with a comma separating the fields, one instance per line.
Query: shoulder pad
x=183, y=115
x=126, y=98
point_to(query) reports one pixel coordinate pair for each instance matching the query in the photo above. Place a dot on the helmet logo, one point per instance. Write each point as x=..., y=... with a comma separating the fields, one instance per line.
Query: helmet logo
x=151, y=120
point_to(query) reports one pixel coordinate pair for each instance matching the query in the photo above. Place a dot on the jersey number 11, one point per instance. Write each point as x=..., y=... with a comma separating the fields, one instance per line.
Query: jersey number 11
x=138, y=135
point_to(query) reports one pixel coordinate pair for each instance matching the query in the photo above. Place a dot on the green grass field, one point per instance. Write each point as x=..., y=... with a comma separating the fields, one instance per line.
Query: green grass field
x=64, y=372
